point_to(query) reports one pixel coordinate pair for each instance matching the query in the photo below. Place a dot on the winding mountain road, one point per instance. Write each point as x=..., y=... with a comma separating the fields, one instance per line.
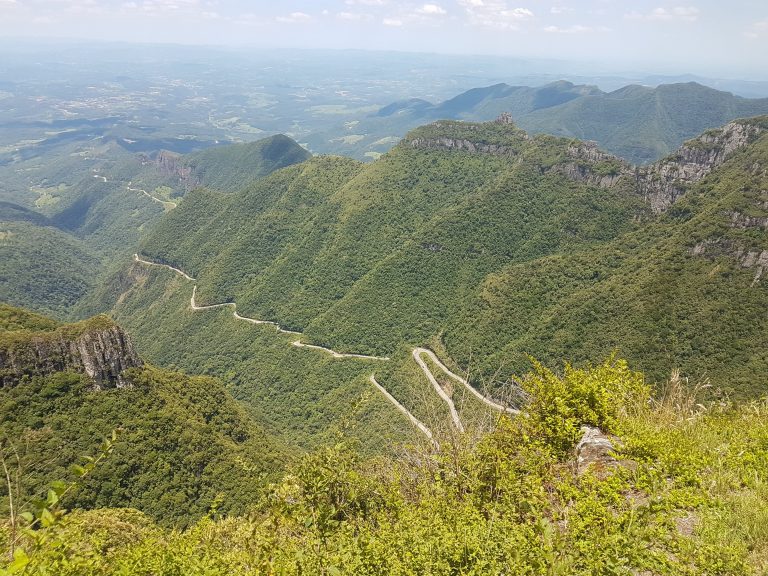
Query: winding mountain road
x=148, y=195
x=416, y=354
x=438, y=388
x=300, y=344
x=148, y=263
x=415, y=421
x=194, y=306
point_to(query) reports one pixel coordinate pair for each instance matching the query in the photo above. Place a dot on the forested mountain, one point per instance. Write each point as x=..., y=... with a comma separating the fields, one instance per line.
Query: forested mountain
x=307, y=298
x=115, y=205
x=638, y=123
x=596, y=474
x=57, y=243
x=183, y=441
x=42, y=266
x=500, y=244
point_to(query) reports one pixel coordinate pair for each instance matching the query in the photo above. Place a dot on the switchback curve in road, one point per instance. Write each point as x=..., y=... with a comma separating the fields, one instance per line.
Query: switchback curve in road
x=438, y=388
x=194, y=306
x=148, y=195
x=415, y=421
x=416, y=354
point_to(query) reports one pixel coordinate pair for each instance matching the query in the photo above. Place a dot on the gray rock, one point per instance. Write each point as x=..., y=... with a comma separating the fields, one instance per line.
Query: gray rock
x=103, y=354
x=662, y=183
x=594, y=451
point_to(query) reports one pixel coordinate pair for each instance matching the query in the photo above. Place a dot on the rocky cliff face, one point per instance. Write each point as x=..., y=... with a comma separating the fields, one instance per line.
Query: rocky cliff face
x=447, y=143
x=171, y=165
x=497, y=138
x=102, y=351
x=662, y=183
x=591, y=165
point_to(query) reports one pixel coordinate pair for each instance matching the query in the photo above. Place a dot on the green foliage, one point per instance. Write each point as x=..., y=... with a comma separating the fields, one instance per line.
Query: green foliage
x=21, y=338
x=638, y=123
x=12, y=319
x=44, y=268
x=499, y=258
x=226, y=168
x=184, y=441
x=646, y=293
x=506, y=505
x=306, y=397
x=596, y=397
x=643, y=124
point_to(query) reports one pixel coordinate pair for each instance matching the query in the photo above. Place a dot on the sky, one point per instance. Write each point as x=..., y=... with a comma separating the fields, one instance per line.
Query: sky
x=729, y=39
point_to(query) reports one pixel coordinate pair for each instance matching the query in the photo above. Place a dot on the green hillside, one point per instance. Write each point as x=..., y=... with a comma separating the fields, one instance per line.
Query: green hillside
x=55, y=253
x=183, y=441
x=226, y=168
x=41, y=266
x=113, y=211
x=305, y=397
x=686, y=290
x=491, y=244
x=644, y=124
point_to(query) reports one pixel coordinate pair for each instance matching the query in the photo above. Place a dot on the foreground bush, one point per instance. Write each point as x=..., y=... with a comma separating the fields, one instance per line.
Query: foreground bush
x=689, y=496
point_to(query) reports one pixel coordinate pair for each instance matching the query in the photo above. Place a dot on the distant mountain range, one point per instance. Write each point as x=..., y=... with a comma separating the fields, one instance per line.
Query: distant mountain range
x=637, y=123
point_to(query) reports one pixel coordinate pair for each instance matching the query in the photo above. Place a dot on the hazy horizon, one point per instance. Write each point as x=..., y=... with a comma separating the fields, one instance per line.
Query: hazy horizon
x=657, y=37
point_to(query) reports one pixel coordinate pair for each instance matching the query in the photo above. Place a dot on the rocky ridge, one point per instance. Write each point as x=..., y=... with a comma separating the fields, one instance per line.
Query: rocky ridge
x=592, y=165
x=447, y=143
x=662, y=183
x=659, y=184
x=99, y=348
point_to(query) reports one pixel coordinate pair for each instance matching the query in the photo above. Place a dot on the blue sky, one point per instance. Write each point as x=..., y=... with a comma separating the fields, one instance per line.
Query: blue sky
x=704, y=36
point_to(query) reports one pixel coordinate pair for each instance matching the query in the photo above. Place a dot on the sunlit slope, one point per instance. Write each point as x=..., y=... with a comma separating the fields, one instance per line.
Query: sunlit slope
x=183, y=442
x=304, y=396
x=41, y=266
x=500, y=243
x=643, y=124
x=685, y=291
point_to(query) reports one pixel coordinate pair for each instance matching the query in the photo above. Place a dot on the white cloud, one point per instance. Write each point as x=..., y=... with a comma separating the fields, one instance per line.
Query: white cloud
x=560, y=10
x=679, y=13
x=431, y=10
x=294, y=17
x=392, y=22
x=575, y=29
x=147, y=7
x=757, y=29
x=353, y=16
x=495, y=14
x=366, y=2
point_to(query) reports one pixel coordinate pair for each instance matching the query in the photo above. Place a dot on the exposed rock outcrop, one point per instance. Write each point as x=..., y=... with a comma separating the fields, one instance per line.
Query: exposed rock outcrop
x=172, y=165
x=743, y=222
x=662, y=183
x=747, y=258
x=447, y=143
x=498, y=138
x=594, y=451
x=592, y=165
x=100, y=349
